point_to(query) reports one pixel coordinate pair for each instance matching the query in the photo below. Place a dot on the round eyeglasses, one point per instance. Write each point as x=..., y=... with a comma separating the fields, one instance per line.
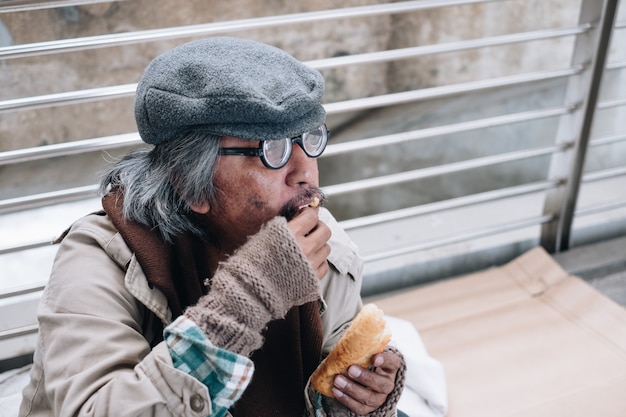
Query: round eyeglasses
x=276, y=153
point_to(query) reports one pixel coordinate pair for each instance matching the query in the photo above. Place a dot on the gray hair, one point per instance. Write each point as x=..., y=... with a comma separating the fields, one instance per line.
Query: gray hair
x=161, y=184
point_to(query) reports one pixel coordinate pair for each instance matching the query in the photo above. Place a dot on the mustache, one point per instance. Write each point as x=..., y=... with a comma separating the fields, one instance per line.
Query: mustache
x=292, y=207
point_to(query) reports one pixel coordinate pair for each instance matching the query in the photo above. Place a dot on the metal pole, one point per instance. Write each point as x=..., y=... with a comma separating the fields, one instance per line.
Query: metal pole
x=590, y=50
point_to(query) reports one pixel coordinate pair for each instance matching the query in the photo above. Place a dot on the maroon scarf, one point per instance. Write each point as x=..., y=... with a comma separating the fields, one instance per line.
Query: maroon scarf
x=292, y=348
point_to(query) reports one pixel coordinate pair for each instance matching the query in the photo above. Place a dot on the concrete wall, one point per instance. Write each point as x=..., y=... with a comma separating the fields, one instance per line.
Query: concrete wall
x=121, y=65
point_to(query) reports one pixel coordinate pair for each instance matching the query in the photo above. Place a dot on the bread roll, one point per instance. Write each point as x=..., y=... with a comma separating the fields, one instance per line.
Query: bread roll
x=314, y=203
x=366, y=336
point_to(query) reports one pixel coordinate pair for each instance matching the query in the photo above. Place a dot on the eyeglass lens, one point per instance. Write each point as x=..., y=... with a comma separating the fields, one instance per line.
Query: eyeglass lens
x=314, y=141
x=278, y=152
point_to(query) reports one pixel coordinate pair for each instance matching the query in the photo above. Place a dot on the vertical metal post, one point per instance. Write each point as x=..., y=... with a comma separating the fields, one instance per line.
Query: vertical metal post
x=590, y=51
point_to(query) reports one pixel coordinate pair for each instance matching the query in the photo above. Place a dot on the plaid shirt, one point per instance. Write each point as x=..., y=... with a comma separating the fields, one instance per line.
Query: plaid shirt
x=225, y=373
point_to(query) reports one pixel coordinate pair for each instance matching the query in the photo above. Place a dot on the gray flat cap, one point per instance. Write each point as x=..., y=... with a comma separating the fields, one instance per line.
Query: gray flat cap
x=228, y=87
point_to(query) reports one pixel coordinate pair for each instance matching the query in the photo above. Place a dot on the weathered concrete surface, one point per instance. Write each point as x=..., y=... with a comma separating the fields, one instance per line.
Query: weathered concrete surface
x=48, y=74
x=123, y=65
x=33, y=76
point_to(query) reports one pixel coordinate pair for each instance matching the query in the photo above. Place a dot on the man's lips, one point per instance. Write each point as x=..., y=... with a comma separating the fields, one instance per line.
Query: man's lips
x=313, y=198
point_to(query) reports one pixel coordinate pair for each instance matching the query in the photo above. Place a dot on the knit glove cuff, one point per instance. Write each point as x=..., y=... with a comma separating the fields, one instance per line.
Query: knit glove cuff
x=388, y=409
x=260, y=282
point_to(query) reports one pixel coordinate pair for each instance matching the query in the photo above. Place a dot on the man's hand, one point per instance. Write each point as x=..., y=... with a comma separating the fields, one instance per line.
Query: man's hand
x=363, y=391
x=312, y=235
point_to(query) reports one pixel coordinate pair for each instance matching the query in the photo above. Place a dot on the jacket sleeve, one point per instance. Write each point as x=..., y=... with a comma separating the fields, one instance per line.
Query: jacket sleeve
x=341, y=287
x=92, y=357
x=225, y=373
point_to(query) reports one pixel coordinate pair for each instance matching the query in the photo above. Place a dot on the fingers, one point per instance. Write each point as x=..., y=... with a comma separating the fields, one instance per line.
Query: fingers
x=387, y=362
x=304, y=222
x=362, y=390
x=358, y=398
x=312, y=235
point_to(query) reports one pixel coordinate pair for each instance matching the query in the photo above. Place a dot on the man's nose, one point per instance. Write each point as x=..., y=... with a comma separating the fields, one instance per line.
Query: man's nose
x=302, y=168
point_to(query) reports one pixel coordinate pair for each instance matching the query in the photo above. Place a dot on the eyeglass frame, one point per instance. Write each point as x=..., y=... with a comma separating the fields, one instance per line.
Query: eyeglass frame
x=258, y=151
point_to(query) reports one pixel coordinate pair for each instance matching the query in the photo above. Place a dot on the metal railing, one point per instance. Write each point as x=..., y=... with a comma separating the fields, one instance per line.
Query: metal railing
x=212, y=29
x=596, y=23
x=592, y=36
x=11, y=6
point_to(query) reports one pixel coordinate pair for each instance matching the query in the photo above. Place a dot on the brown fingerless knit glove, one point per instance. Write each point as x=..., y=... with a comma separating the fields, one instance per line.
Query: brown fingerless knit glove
x=260, y=282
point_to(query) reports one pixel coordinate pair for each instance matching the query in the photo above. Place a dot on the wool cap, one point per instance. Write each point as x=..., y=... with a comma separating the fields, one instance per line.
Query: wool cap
x=228, y=87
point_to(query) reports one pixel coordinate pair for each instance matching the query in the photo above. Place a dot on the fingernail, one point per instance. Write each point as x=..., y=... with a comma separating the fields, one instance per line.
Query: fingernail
x=341, y=381
x=337, y=393
x=354, y=371
x=378, y=361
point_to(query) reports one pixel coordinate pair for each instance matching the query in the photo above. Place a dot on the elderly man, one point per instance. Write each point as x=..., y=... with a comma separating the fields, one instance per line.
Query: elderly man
x=209, y=285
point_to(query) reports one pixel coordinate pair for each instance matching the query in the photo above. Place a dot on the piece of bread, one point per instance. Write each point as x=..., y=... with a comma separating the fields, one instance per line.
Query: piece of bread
x=314, y=203
x=366, y=336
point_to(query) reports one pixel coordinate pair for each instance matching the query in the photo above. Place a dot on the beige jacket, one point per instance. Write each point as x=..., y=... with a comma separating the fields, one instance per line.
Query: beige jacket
x=94, y=356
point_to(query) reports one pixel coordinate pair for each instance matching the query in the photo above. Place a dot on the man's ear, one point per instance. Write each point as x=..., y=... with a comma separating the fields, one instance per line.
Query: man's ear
x=202, y=208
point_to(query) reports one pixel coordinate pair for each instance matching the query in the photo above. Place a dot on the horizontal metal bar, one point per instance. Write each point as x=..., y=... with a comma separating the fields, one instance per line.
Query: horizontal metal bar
x=388, y=216
x=53, y=197
x=458, y=237
x=422, y=209
x=607, y=140
x=600, y=208
x=69, y=148
x=70, y=97
x=412, y=211
x=383, y=217
x=607, y=104
x=27, y=289
x=25, y=246
x=407, y=53
x=10, y=6
x=604, y=174
x=127, y=90
x=18, y=331
x=393, y=139
x=446, y=90
x=131, y=139
x=421, y=173
x=452, y=203
x=91, y=42
x=471, y=199
x=616, y=65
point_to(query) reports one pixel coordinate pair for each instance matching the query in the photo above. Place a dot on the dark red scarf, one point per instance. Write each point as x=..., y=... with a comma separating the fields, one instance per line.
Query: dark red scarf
x=292, y=348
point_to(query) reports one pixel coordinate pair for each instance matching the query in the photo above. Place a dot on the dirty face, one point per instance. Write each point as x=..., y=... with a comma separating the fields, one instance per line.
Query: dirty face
x=249, y=194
